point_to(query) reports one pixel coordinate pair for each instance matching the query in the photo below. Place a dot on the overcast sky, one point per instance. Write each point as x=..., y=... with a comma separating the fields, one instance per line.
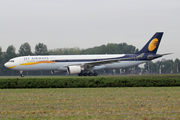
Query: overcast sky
x=89, y=23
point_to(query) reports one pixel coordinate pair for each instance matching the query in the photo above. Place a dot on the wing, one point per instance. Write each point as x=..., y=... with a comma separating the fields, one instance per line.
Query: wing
x=98, y=63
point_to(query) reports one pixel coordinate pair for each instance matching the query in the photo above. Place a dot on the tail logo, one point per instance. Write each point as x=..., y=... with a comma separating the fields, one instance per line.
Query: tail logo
x=153, y=44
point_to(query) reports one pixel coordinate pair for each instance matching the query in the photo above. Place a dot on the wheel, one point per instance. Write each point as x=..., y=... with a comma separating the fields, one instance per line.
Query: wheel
x=80, y=74
x=90, y=74
x=95, y=74
x=22, y=75
x=85, y=74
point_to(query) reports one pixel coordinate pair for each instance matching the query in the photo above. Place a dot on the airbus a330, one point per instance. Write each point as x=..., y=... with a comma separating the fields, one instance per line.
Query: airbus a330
x=86, y=64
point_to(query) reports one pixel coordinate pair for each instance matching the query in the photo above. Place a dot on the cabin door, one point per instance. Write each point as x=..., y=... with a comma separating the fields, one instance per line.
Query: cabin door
x=21, y=61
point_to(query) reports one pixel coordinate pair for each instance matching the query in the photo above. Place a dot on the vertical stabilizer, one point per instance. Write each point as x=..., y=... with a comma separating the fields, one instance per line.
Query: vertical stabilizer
x=153, y=44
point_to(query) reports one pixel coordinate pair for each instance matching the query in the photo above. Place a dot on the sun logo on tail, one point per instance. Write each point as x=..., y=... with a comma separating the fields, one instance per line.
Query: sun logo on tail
x=153, y=44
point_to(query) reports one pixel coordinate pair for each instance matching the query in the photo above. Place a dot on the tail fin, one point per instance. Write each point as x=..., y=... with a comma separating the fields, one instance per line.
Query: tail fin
x=152, y=45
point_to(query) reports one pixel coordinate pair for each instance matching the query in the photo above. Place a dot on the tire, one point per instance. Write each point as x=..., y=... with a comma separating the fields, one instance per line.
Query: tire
x=85, y=74
x=95, y=74
x=80, y=74
x=90, y=74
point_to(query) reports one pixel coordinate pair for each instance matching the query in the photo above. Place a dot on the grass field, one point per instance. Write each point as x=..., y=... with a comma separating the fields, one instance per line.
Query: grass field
x=91, y=103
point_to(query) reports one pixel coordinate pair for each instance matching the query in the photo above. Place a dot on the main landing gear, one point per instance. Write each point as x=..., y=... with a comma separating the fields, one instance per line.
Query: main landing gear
x=88, y=74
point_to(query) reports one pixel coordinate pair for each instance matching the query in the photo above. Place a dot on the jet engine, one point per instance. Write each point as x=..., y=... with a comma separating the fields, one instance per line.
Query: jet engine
x=74, y=69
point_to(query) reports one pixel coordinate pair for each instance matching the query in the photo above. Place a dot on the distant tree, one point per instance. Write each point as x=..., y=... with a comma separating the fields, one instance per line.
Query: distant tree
x=127, y=49
x=1, y=56
x=111, y=48
x=165, y=66
x=151, y=67
x=1, y=61
x=65, y=51
x=57, y=51
x=25, y=49
x=10, y=52
x=176, y=66
x=0, y=51
x=41, y=49
x=74, y=51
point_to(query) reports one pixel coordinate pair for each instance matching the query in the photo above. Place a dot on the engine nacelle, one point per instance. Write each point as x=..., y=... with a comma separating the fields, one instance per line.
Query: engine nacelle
x=74, y=69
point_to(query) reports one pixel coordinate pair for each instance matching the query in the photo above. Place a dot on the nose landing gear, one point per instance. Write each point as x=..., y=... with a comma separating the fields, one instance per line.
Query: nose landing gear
x=21, y=72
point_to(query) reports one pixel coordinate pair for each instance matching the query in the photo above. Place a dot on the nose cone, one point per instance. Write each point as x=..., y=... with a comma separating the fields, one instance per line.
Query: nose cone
x=6, y=65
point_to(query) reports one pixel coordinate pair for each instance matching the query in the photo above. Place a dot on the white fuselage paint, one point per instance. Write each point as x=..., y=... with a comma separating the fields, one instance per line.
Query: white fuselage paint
x=29, y=63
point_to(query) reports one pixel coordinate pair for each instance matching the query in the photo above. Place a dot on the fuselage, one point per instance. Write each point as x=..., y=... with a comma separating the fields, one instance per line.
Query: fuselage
x=57, y=62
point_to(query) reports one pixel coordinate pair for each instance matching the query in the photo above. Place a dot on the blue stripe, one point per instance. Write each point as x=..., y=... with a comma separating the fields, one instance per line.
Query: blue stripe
x=93, y=60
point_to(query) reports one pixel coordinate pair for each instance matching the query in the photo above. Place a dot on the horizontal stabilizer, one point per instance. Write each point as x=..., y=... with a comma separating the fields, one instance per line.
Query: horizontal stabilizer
x=150, y=57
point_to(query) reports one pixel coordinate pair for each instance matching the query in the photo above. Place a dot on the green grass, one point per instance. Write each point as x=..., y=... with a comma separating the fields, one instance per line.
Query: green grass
x=91, y=103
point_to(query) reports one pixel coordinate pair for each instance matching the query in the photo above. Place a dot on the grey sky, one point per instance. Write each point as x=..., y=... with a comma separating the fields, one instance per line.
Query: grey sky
x=89, y=23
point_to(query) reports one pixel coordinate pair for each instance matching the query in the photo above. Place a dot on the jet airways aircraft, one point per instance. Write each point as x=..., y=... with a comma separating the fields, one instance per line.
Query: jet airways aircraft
x=85, y=64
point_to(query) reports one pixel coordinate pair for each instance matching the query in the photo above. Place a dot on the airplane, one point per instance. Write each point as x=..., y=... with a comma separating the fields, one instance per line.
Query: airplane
x=84, y=65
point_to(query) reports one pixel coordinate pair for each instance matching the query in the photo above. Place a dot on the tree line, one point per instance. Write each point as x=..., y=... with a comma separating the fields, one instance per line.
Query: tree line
x=166, y=66
x=162, y=66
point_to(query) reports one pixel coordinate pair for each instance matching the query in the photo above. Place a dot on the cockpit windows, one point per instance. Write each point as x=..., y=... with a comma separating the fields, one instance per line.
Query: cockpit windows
x=11, y=60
